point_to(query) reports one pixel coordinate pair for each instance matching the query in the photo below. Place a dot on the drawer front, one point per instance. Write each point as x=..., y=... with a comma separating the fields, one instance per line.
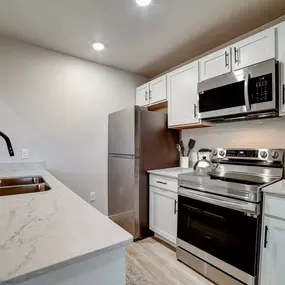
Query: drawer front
x=170, y=184
x=274, y=206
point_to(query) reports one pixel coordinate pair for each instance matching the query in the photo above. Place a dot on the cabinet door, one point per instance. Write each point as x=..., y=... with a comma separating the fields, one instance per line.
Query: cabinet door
x=281, y=58
x=255, y=49
x=157, y=89
x=142, y=95
x=163, y=213
x=182, y=93
x=273, y=262
x=215, y=64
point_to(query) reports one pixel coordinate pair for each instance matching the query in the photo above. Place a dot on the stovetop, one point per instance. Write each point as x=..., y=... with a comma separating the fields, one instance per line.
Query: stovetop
x=240, y=174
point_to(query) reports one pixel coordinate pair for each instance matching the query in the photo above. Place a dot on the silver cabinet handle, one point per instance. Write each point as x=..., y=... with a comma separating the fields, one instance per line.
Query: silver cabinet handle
x=246, y=96
x=150, y=95
x=175, y=207
x=160, y=182
x=195, y=110
x=145, y=96
x=226, y=59
x=236, y=55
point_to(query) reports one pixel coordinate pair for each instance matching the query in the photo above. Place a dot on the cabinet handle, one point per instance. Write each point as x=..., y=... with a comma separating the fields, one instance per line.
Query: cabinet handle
x=175, y=207
x=195, y=111
x=265, y=236
x=145, y=96
x=150, y=95
x=160, y=182
x=236, y=55
x=226, y=59
x=283, y=93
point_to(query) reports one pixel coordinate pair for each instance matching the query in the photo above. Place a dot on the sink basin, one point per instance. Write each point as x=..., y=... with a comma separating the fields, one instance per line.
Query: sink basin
x=24, y=189
x=22, y=185
x=16, y=181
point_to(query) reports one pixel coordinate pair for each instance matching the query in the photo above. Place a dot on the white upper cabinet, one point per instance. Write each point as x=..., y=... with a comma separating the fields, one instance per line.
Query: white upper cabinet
x=182, y=95
x=157, y=89
x=281, y=58
x=255, y=49
x=273, y=261
x=215, y=64
x=142, y=95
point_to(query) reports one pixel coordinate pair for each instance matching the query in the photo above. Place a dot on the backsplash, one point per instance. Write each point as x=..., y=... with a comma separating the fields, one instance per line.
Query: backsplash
x=266, y=133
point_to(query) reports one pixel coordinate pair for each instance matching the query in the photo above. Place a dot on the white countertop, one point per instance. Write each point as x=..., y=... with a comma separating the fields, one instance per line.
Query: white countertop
x=45, y=231
x=277, y=188
x=171, y=172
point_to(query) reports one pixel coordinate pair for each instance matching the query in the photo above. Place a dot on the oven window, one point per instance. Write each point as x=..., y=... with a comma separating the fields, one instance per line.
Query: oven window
x=224, y=97
x=229, y=235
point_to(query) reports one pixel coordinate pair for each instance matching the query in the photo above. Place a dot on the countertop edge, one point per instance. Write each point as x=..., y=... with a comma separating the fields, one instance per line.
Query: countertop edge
x=60, y=265
x=163, y=174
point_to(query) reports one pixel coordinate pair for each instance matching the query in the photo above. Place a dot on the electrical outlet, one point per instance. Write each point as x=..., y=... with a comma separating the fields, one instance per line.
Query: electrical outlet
x=92, y=196
x=25, y=153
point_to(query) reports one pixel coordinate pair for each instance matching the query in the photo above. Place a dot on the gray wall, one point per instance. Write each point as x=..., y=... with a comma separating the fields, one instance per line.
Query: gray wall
x=57, y=106
x=266, y=133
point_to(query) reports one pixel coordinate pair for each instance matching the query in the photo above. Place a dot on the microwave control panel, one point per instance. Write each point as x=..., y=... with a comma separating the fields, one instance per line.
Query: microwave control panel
x=261, y=89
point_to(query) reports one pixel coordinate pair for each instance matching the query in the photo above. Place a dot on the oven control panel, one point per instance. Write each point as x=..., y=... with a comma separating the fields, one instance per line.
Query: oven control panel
x=249, y=154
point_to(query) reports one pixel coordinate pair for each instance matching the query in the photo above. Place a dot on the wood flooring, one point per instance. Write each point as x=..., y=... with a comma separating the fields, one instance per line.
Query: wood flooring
x=150, y=262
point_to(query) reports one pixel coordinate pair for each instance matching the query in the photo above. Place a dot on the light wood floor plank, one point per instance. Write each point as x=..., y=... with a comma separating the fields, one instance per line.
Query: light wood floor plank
x=150, y=262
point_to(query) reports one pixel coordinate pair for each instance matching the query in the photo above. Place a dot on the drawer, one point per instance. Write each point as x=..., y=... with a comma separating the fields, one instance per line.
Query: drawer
x=274, y=206
x=170, y=184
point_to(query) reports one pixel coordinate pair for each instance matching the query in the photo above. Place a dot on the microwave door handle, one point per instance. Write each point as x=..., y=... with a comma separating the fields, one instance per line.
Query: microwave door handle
x=246, y=95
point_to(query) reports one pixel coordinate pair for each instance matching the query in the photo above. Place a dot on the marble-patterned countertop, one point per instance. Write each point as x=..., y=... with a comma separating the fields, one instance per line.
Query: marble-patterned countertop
x=277, y=188
x=45, y=231
x=171, y=172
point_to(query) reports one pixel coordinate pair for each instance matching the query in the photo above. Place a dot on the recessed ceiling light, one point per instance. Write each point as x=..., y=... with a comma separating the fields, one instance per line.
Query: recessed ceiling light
x=98, y=46
x=143, y=2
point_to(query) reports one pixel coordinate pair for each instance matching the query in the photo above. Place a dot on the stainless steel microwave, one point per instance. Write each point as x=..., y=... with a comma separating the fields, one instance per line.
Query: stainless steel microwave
x=248, y=92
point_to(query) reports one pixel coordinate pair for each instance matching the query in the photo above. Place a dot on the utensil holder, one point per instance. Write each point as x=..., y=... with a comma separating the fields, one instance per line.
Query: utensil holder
x=184, y=161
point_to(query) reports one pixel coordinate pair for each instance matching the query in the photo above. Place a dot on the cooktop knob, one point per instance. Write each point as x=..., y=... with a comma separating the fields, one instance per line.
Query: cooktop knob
x=221, y=153
x=274, y=154
x=263, y=154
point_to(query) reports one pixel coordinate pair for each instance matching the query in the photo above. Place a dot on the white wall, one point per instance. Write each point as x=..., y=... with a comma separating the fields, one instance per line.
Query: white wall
x=267, y=133
x=57, y=106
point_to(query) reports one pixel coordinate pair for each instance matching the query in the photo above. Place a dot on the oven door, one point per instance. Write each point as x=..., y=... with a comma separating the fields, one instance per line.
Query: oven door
x=222, y=234
x=245, y=91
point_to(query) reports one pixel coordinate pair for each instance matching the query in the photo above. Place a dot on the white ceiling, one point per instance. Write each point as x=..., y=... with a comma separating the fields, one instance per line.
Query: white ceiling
x=147, y=41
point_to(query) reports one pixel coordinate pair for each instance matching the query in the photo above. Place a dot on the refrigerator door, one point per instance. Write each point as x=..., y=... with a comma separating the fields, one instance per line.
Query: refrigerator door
x=122, y=191
x=122, y=132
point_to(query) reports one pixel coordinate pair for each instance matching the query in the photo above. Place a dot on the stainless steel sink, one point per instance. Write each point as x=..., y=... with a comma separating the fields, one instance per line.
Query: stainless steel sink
x=15, y=181
x=24, y=189
x=22, y=185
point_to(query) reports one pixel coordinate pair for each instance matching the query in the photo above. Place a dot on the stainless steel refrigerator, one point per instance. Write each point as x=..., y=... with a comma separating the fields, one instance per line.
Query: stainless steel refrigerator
x=139, y=140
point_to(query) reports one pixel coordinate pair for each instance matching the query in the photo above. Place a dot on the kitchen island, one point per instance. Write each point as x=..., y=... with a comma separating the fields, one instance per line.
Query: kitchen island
x=55, y=237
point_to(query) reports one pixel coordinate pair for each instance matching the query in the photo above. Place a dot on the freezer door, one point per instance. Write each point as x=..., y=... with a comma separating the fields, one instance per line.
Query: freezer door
x=122, y=132
x=123, y=192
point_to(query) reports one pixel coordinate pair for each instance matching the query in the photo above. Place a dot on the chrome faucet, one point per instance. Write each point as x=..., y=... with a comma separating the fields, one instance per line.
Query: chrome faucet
x=8, y=143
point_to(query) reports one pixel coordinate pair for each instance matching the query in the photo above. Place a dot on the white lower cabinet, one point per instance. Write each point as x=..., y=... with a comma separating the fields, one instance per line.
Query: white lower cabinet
x=163, y=213
x=273, y=249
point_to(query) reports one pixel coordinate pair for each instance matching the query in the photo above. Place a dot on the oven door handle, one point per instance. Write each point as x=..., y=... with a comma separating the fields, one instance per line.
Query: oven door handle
x=246, y=95
x=245, y=207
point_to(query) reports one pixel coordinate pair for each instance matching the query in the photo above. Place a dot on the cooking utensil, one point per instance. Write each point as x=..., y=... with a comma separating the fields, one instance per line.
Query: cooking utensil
x=191, y=145
x=178, y=147
x=182, y=148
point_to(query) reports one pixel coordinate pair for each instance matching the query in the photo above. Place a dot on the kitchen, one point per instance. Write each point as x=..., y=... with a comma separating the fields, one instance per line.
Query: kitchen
x=54, y=108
